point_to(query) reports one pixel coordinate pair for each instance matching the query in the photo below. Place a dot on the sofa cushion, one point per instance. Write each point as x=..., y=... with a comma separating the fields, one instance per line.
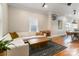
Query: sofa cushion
x=14, y=35
x=31, y=37
x=26, y=34
x=17, y=42
x=7, y=37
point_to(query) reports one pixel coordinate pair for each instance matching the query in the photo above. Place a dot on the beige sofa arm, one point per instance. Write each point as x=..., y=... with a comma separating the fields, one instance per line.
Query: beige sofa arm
x=19, y=51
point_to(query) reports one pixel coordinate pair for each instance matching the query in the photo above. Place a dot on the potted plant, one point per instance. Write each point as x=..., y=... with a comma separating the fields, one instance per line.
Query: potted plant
x=4, y=46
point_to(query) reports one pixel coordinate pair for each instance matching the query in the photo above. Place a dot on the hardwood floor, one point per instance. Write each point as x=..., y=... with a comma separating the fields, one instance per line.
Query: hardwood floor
x=72, y=46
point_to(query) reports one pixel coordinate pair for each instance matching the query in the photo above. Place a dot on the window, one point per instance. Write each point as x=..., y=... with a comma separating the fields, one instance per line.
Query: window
x=71, y=27
x=75, y=26
x=33, y=24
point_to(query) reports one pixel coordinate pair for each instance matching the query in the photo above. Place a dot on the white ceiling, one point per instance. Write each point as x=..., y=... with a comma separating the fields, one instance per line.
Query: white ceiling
x=56, y=8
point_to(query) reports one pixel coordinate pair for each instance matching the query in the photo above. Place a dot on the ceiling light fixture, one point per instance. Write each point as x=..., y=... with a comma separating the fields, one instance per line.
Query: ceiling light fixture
x=44, y=5
x=69, y=4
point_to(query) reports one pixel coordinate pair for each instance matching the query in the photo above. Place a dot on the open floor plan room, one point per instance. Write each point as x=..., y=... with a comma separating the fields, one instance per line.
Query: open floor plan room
x=39, y=29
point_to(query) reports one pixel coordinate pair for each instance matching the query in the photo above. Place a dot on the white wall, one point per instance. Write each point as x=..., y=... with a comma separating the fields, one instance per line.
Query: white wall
x=18, y=19
x=3, y=19
x=53, y=25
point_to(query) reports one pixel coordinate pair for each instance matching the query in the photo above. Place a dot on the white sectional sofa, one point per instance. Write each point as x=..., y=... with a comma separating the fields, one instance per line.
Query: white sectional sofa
x=28, y=35
x=20, y=48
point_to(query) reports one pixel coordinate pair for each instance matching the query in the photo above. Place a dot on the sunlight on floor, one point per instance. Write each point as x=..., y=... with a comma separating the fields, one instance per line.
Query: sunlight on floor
x=67, y=39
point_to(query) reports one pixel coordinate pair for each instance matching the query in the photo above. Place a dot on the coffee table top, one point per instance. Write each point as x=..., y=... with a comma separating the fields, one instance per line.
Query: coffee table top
x=37, y=40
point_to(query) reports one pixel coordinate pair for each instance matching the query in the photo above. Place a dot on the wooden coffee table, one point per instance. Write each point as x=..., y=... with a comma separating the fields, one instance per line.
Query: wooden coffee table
x=38, y=42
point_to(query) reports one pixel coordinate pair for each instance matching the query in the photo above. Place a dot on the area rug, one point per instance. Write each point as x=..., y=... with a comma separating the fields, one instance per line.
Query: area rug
x=50, y=49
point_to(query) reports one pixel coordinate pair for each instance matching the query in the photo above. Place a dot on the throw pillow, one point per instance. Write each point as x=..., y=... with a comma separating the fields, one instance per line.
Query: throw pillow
x=14, y=35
